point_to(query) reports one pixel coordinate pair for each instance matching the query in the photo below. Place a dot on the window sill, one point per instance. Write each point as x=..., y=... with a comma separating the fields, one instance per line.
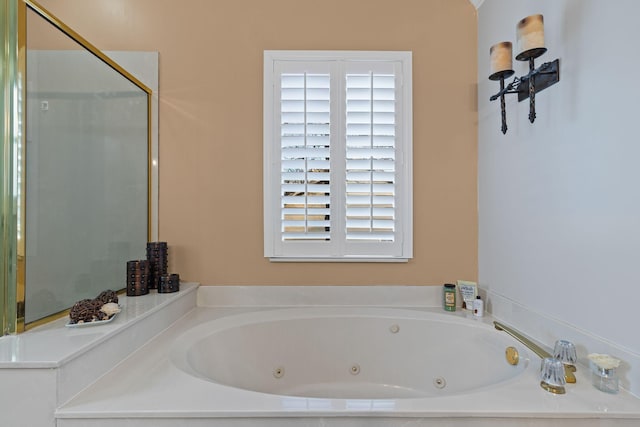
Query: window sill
x=342, y=259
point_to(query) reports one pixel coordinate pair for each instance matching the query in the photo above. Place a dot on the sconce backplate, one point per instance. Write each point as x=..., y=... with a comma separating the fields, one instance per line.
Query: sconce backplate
x=542, y=80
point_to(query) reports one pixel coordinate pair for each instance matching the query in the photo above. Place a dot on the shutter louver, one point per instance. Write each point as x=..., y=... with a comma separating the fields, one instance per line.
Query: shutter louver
x=305, y=149
x=370, y=157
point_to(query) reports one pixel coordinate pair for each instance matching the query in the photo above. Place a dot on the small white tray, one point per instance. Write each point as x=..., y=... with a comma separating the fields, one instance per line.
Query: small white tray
x=95, y=323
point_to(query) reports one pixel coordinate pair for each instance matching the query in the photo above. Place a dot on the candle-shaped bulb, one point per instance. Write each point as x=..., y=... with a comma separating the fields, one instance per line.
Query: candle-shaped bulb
x=501, y=65
x=530, y=35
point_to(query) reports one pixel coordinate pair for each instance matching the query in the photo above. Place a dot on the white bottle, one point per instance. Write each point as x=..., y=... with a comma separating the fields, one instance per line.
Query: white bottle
x=478, y=307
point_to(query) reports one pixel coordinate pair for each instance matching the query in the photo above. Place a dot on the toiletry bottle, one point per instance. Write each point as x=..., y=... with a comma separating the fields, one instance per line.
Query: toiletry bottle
x=478, y=307
x=449, y=297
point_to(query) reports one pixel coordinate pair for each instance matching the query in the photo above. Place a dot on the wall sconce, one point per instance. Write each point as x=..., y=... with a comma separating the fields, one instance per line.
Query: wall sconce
x=530, y=32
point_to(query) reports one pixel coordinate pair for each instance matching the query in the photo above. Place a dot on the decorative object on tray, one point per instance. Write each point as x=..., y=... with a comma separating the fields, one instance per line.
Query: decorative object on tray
x=108, y=296
x=99, y=310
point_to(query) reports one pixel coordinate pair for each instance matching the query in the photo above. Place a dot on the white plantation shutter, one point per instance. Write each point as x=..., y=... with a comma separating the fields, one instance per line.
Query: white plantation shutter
x=305, y=192
x=337, y=156
x=370, y=156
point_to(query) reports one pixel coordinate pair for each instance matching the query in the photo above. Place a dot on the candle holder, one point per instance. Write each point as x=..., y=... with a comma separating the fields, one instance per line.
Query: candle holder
x=530, y=55
x=531, y=41
x=501, y=75
x=501, y=68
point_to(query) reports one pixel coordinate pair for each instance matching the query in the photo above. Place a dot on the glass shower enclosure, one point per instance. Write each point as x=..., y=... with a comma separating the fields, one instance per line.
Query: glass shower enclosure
x=75, y=168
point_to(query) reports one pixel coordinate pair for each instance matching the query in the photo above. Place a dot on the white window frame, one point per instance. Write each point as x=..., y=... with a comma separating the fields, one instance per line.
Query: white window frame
x=336, y=251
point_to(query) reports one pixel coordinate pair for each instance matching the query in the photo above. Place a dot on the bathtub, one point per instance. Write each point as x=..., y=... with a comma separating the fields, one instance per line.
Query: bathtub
x=347, y=353
x=337, y=366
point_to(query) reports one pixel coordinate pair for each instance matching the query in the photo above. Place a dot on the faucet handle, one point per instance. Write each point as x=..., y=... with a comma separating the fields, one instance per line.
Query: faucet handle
x=566, y=352
x=552, y=375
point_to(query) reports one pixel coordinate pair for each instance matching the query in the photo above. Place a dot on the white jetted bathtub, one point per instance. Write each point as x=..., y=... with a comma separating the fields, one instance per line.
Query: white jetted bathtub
x=340, y=366
x=347, y=353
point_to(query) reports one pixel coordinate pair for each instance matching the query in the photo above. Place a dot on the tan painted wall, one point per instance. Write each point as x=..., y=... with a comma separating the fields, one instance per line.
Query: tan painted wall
x=211, y=124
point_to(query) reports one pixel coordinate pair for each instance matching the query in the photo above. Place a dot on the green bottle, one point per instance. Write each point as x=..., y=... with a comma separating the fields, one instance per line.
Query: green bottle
x=449, y=297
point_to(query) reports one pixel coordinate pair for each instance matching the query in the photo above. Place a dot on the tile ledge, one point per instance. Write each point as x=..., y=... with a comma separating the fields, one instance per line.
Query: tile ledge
x=52, y=345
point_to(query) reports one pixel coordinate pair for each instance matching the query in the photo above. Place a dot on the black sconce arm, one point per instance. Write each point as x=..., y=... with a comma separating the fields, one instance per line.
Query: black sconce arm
x=510, y=88
x=544, y=76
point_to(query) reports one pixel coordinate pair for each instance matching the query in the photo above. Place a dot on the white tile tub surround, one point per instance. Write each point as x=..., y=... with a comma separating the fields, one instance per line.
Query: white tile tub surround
x=46, y=366
x=147, y=389
x=287, y=296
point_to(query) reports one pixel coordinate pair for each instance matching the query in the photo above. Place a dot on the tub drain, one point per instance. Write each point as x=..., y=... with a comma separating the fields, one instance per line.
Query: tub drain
x=439, y=382
x=278, y=372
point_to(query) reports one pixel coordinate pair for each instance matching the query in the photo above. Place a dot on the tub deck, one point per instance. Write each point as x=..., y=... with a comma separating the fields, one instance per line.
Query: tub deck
x=147, y=389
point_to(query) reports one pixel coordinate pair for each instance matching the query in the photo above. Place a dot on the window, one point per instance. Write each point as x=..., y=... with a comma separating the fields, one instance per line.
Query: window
x=337, y=156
